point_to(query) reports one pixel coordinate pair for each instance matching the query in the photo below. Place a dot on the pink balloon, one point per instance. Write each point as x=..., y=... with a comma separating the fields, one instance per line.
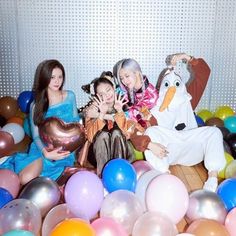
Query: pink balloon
x=107, y=226
x=185, y=234
x=10, y=181
x=167, y=194
x=141, y=167
x=230, y=222
x=54, y=217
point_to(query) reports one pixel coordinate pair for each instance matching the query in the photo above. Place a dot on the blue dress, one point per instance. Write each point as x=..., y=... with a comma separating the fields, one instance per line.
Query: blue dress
x=66, y=111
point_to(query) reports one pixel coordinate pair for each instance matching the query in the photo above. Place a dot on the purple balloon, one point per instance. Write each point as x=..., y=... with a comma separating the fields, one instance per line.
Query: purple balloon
x=84, y=194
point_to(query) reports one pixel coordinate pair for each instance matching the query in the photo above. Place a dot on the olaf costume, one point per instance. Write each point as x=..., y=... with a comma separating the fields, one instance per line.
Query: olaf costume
x=177, y=129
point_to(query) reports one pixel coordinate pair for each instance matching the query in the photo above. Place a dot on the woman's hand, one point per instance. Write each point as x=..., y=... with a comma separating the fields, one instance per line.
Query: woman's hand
x=174, y=58
x=100, y=104
x=158, y=149
x=55, y=154
x=120, y=102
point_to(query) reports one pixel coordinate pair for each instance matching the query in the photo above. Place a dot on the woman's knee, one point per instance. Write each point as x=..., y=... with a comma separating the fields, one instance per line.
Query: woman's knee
x=116, y=133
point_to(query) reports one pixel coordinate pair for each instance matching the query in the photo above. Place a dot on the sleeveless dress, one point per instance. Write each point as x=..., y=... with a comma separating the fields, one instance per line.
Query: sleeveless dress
x=66, y=111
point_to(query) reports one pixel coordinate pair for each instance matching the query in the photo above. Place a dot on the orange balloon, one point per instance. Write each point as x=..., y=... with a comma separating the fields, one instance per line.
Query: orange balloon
x=73, y=227
x=206, y=227
x=17, y=120
x=8, y=107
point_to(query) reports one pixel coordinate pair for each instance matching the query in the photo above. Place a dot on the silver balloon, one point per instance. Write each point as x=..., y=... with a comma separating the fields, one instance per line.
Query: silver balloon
x=154, y=224
x=20, y=214
x=205, y=204
x=42, y=191
x=123, y=207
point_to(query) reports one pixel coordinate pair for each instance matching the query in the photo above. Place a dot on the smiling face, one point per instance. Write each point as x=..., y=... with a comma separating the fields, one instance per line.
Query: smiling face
x=128, y=78
x=56, y=80
x=107, y=92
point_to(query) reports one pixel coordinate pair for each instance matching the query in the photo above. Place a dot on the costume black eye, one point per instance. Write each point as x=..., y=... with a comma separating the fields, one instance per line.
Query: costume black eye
x=166, y=83
x=177, y=83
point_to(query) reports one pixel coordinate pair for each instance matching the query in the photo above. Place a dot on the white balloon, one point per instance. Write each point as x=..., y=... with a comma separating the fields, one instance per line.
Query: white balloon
x=16, y=131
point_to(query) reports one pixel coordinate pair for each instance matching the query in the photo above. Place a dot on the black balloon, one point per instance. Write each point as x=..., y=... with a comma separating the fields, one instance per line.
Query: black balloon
x=231, y=140
x=225, y=132
x=3, y=121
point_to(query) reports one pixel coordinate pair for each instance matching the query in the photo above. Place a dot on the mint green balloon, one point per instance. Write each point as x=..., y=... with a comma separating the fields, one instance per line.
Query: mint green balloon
x=18, y=232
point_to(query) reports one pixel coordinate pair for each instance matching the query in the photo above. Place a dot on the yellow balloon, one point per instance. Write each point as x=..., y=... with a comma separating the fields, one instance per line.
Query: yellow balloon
x=205, y=114
x=230, y=170
x=137, y=154
x=228, y=159
x=73, y=227
x=223, y=112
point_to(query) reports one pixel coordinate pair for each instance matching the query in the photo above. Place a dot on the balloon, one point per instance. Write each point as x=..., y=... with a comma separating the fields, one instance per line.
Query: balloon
x=205, y=114
x=18, y=233
x=227, y=193
x=167, y=194
x=214, y=121
x=230, y=123
x=184, y=234
x=16, y=120
x=24, y=100
x=154, y=224
x=222, y=174
x=143, y=183
x=56, y=215
x=84, y=194
x=43, y=192
x=55, y=132
x=123, y=207
x=119, y=174
x=230, y=170
x=107, y=226
x=15, y=130
x=10, y=181
x=5, y=197
x=206, y=227
x=3, y=121
x=141, y=167
x=20, y=214
x=8, y=107
x=230, y=222
x=227, y=147
x=73, y=227
x=223, y=112
x=199, y=121
x=231, y=140
x=225, y=132
x=205, y=204
x=6, y=143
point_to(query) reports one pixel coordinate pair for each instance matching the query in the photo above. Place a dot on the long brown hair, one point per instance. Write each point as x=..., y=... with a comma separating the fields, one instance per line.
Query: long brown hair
x=42, y=79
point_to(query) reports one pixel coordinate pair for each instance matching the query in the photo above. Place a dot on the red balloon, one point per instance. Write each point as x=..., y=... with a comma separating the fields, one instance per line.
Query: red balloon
x=55, y=132
x=6, y=143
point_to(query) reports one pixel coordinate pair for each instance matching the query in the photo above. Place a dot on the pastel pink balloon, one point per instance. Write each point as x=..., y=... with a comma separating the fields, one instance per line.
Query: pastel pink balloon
x=10, y=181
x=141, y=167
x=185, y=234
x=107, y=226
x=167, y=194
x=230, y=222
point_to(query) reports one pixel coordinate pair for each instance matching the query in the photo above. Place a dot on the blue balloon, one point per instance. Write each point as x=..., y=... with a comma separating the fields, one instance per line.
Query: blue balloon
x=24, y=100
x=227, y=193
x=199, y=120
x=18, y=232
x=119, y=174
x=230, y=123
x=5, y=197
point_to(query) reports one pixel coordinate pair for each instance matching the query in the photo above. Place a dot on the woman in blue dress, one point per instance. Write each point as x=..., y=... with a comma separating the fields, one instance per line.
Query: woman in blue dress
x=50, y=101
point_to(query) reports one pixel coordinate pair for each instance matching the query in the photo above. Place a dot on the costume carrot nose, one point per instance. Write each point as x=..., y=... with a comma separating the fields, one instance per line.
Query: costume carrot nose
x=168, y=98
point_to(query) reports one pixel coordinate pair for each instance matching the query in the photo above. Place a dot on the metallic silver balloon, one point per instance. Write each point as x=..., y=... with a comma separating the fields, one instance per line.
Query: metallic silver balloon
x=43, y=192
x=56, y=133
x=205, y=204
x=20, y=214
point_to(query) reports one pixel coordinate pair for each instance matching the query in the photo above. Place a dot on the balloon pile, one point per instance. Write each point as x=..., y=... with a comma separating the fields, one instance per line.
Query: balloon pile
x=129, y=199
x=225, y=119
x=13, y=115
